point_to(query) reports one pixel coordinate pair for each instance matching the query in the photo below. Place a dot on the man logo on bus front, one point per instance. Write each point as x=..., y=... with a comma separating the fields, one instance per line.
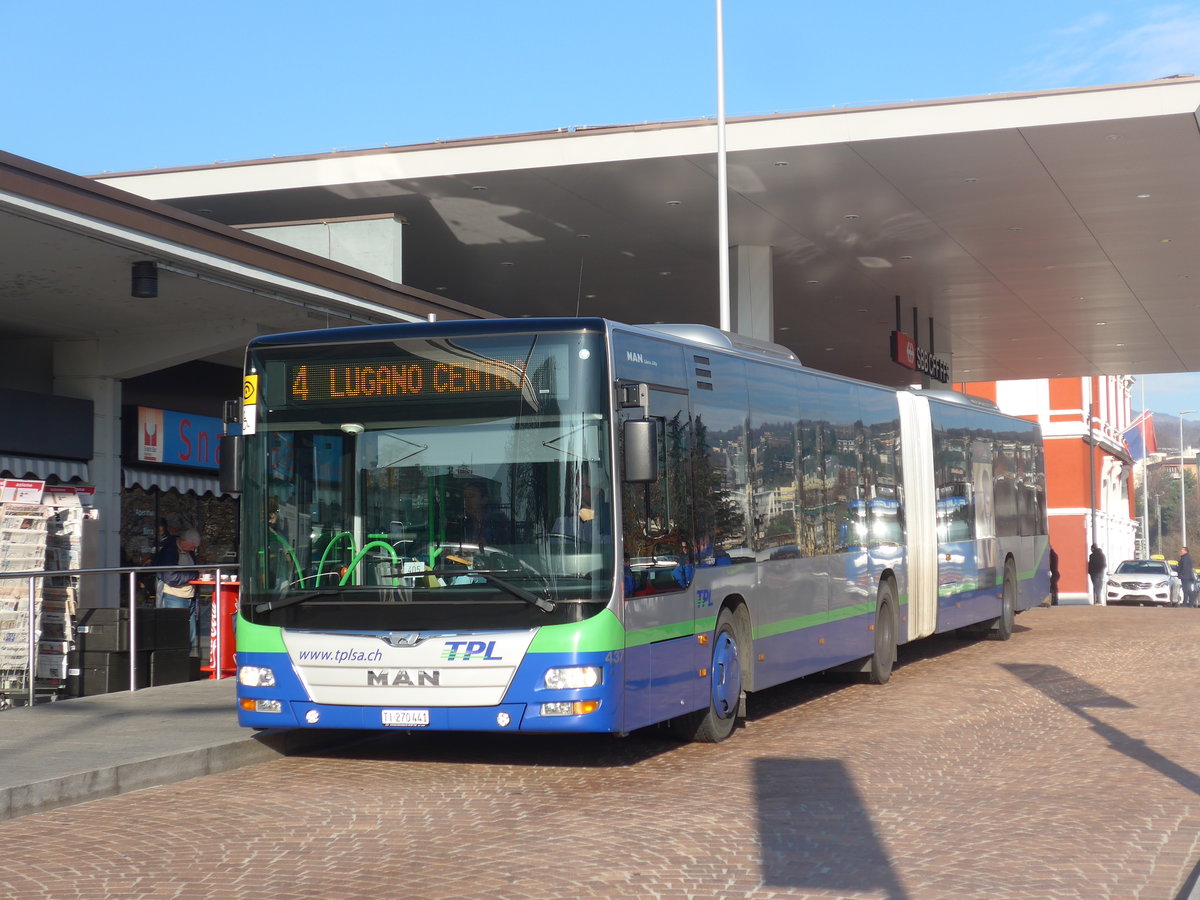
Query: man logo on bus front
x=401, y=638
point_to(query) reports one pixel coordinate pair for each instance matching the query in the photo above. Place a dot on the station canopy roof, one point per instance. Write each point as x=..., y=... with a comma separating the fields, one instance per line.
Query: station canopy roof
x=1051, y=233
x=68, y=248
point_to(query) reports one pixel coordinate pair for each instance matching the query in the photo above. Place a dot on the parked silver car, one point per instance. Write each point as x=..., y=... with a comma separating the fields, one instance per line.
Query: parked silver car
x=1143, y=582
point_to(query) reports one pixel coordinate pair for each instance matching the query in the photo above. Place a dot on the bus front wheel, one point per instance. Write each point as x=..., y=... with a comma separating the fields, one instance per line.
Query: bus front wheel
x=884, y=657
x=714, y=724
x=1002, y=628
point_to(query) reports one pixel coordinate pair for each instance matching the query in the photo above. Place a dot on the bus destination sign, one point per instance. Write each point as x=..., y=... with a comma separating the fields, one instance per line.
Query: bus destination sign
x=367, y=380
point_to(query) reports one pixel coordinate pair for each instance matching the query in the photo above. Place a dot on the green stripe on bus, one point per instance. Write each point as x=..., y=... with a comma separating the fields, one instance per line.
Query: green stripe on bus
x=812, y=620
x=600, y=633
x=259, y=638
x=659, y=633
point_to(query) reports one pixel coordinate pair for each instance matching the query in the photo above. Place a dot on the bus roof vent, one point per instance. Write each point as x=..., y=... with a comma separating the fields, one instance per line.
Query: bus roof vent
x=714, y=337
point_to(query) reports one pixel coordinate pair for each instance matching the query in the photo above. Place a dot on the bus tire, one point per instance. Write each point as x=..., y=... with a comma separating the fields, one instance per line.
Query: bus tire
x=1002, y=628
x=884, y=657
x=714, y=724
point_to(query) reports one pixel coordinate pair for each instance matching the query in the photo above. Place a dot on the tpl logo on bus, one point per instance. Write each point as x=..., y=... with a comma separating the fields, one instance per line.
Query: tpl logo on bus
x=462, y=651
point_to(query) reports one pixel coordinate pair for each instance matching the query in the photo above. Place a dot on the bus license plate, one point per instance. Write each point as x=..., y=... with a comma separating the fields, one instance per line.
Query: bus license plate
x=408, y=718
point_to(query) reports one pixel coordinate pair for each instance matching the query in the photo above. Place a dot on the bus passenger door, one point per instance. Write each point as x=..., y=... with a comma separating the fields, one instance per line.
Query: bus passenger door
x=658, y=608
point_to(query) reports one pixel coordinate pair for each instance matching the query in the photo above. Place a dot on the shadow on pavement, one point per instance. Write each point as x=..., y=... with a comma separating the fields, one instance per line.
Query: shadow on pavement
x=1079, y=696
x=485, y=748
x=814, y=831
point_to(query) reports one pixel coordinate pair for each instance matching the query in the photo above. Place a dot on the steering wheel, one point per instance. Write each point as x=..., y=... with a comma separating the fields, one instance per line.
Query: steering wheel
x=480, y=552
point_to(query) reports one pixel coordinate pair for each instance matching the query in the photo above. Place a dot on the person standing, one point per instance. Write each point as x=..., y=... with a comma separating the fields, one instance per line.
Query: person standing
x=177, y=590
x=1097, y=566
x=1053, y=577
x=161, y=539
x=1187, y=577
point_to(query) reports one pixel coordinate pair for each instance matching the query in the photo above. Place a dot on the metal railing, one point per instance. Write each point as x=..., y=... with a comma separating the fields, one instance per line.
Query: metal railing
x=32, y=576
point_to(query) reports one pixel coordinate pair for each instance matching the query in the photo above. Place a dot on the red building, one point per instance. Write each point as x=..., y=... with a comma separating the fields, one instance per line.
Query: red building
x=1089, y=475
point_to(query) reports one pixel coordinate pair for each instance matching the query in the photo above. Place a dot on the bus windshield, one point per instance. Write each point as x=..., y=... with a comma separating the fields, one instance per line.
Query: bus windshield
x=433, y=483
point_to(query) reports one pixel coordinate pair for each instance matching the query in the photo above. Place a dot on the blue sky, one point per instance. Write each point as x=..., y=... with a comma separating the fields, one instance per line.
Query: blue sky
x=140, y=84
x=137, y=84
x=1169, y=393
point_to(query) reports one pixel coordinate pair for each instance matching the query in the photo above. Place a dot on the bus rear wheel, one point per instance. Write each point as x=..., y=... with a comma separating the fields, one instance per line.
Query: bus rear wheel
x=714, y=724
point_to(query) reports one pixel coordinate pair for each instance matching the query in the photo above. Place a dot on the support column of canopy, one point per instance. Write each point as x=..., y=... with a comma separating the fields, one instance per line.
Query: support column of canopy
x=753, y=307
x=77, y=373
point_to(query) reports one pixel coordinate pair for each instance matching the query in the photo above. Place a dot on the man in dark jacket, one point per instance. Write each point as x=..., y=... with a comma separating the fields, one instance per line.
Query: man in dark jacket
x=1097, y=565
x=1187, y=577
x=175, y=587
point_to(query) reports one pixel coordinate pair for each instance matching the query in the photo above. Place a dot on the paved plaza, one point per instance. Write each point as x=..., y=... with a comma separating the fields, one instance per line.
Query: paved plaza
x=1061, y=764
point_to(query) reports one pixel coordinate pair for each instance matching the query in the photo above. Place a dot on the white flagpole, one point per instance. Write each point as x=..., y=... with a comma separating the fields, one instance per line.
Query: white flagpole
x=722, y=178
x=1145, y=486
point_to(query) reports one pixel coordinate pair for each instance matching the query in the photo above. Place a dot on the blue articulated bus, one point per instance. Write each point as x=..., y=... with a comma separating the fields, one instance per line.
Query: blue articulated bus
x=574, y=525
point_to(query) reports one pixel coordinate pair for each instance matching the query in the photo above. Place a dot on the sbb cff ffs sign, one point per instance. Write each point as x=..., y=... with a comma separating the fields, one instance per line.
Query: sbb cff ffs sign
x=906, y=352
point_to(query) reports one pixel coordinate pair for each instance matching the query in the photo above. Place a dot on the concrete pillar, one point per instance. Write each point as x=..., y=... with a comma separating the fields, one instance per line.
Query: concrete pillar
x=76, y=374
x=752, y=311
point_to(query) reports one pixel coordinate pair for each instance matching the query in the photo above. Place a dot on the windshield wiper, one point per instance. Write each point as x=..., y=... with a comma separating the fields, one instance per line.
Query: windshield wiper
x=543, y=603
x=293, y=599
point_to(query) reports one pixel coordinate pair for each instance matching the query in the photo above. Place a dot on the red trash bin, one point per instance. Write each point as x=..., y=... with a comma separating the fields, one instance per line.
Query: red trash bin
x=221, y=640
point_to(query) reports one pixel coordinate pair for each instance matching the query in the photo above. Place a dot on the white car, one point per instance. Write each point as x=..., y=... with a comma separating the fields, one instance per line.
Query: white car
x=1143, y=582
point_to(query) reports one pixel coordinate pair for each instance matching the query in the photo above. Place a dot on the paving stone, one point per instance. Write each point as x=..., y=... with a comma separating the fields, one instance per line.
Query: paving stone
x=1061, y=764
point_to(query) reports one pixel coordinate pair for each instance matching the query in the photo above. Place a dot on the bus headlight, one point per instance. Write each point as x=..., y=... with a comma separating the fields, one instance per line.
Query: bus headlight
x=256, y=676
x=574, y=677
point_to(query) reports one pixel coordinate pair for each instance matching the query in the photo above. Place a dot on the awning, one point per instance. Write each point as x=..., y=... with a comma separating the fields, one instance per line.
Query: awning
x=43, y=468
x=165, y=480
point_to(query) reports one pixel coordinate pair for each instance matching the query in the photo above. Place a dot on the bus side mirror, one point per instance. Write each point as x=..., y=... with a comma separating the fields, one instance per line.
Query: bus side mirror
x=231, y=463
x=641, y=451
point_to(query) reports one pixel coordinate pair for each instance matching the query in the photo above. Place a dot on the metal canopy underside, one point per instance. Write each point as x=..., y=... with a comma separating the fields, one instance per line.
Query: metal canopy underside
x=65, y=273
x=1047, y=234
